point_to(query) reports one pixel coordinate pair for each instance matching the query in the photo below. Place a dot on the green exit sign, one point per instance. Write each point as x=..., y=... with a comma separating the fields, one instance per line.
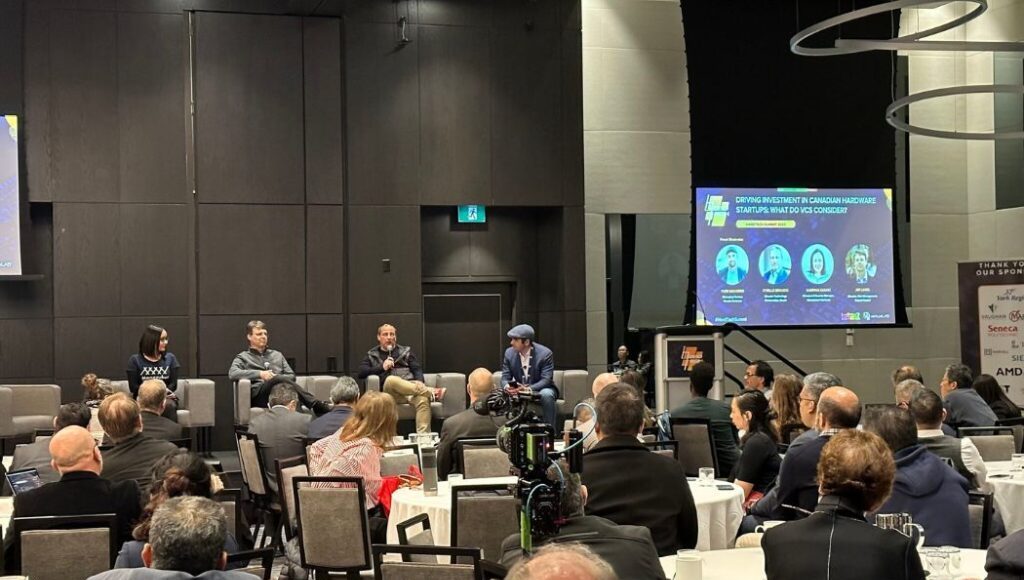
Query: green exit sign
x=472, y=214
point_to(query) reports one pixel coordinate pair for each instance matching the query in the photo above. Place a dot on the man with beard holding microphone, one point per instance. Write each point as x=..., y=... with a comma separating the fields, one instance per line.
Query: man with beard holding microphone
x=400, y=375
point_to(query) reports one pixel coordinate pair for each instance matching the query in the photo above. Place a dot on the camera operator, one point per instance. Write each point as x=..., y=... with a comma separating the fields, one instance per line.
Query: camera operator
x=629, y=549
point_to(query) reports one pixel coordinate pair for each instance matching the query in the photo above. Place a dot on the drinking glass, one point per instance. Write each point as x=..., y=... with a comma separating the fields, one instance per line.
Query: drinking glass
x=937, y=563
x=706, y=476
x=952, y=559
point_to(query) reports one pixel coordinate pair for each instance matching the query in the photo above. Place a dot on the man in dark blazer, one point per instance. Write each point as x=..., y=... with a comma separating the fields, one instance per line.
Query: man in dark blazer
x=344, y=394
x=628, y=484
x=133, y=454
x=37, y=453
x=152, y=401
x=532, y=367
x=80, y=491
x=1005, y=559
x=467, y=423
x=628, y=549
x=282, y=430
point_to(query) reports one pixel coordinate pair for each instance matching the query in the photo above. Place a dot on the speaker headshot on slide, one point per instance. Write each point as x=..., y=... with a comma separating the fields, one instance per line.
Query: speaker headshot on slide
x=732, y=264
x=817, y=264
x=858, y=264
x=775, y=264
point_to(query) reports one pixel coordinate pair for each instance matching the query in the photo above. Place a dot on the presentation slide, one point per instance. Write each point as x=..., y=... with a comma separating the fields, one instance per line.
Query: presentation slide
x=795, y=257
x=10, y=229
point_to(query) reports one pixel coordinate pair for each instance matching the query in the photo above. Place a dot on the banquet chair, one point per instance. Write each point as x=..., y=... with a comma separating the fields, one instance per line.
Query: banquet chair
x=979, y=508
x=422, y=538
x=992, y=447
x=1017, y=426
x=483, y=516
x=230, y=500
x=52, y=545
x=325, y=515
x=428, y=568
x=288, y=469
x=696, y=445
x=399, y=463
x=476, y=458
x=254, y=475
x=668, y=448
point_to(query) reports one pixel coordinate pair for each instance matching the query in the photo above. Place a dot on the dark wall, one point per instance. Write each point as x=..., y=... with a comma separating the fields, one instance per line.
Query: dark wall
x=315, y=141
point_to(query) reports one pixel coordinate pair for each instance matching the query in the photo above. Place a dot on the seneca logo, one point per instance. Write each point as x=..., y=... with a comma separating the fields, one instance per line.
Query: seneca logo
x=994, y=328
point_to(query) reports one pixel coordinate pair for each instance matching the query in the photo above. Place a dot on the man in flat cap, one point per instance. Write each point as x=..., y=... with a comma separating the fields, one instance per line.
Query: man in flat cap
x=532, y=366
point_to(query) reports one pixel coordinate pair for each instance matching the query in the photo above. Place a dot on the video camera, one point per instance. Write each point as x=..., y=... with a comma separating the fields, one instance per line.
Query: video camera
x=530, y=445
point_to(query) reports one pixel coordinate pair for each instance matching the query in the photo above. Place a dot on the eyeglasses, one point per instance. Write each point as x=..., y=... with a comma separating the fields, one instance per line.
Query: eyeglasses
x=808, y=399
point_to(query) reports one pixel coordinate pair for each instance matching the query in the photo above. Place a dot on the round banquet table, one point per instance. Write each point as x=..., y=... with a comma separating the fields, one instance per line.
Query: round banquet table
x=1008, y=493
x=719, y=513
x=748, y=564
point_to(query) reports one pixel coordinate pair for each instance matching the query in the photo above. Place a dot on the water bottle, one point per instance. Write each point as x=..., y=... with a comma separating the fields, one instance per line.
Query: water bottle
x=428, y=455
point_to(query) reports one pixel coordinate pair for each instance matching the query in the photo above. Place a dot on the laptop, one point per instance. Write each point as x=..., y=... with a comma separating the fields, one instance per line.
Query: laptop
x=24, y=480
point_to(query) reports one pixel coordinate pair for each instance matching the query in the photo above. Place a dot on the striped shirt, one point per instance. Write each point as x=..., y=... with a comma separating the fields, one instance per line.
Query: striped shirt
x=357, y=458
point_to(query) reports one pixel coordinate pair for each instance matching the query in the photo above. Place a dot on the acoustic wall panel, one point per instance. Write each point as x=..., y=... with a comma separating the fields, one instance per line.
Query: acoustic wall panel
x=26, y=348
x=326, y=339
x=378, y=234
x=155, y=258
x=86, y=259
x=88, y=345
x=325, y=251
x=321, y=52
x=222, y=337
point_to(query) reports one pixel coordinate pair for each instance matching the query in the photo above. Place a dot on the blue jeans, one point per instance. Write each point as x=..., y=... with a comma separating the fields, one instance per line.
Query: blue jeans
x=549, y=407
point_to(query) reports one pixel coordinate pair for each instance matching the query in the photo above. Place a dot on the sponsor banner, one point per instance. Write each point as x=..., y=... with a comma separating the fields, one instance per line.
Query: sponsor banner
x=992, y=321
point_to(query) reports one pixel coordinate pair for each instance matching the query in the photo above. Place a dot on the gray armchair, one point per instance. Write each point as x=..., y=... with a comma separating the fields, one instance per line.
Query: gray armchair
x=453, y=402
x=25, y=408
x=319, y=385
x=196, y=406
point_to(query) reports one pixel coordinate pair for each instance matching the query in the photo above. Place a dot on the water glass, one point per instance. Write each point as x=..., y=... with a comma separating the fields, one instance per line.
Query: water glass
x=689, y=565
x=936, y=562
x=706, y=476
x=454, y=479
x=952, y=559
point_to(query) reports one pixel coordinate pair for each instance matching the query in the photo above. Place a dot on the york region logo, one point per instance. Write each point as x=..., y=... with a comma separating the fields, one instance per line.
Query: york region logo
x=716, y=210
x=691, y=355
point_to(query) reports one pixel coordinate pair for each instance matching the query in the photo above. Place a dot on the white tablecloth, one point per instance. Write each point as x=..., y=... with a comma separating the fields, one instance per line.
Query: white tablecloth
x=719, y=513
x=6, y=507
x=1008, y=492
x=748, y=564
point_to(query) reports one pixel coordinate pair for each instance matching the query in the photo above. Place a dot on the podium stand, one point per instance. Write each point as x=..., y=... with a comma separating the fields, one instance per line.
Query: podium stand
x=676, y=350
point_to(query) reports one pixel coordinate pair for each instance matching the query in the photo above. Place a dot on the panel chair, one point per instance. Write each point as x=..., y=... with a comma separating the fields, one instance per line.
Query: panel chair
x=993, y=443
x=25, y=408
x=422, y=538
x=50, y=546
x=288, y=469
x=196, y=408
x=397, y=459
x=334, y=530
x=668, y=448
x=263, y=569
x=696, y=445
x=483, y=516
x=254, y=475
x=480, y=457
x=1017, y=425
x=428, y=568
x=979, y=507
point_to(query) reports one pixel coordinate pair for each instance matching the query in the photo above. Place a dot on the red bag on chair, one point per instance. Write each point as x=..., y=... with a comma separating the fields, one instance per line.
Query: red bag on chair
x=390, y=483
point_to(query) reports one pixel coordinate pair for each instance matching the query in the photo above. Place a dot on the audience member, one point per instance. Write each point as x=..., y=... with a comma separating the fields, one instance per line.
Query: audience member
x=906, y=372
x=37, y=454
x=905, y=390
x=282, y=430
x=179, y=473
x=814, y=385
x=186, y=540
x=80, y=491
x=356, y=451
x=1005, y=559
x=622, y=361
x=964, y=406
x=562, y=562
x=926, y=408
x=785, y=403
x=152, y=401
x=628, y=484
x=992, y=393
x=133, y=454
x=856, y=475
x=639, y=382
x=344, y=394
x=531, y=365
x=587, y=427
x=702, y=379
x=925, y=487
x=758, y=464
x=759, y=377
x=258, y=364
x=629, y=550
x=153, y=361
x=467, y=423
x=400, y=375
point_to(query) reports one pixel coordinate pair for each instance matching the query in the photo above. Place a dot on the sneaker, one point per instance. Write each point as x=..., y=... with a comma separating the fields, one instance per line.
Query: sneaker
x=438, y=393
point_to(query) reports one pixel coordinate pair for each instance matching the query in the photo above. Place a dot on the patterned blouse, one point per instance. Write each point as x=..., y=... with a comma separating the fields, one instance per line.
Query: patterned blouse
x=357, y=458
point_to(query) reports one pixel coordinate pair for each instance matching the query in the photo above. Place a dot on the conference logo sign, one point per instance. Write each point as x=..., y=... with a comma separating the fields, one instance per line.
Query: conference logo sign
x=716, y=211
x=691, y=355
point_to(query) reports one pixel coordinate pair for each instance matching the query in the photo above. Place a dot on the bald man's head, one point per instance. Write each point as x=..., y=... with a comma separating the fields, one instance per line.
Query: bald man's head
x=838, y=408
x=480, y=384
x=562, y=562
x=73, y=449
x=602, y=381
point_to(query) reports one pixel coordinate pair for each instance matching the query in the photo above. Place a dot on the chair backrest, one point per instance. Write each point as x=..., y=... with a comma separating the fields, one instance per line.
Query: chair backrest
x=668, y=448
x=263, y=569
x=980, y=510
x=254, y=473
x=240, y=394
x=1017, y=425
x=326, y=513
x=426, y=566
x=184, y=442
x=481, y=458
x=53, y=545
x=696, y=445
x=287, y=469
x=482, y=517
x=575, y=386
x=398, y=458
x=994, y=447
x=424, y=537
x=231, y=500
x=34, y=399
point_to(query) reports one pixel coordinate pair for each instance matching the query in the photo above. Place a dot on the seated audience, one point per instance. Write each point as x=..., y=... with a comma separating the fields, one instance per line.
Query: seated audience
x=186, y=540
x=785, y=406
x=587, y=427
x=1005, y=559
x=37, y=453
x=180, y=473
x=637, y=380
x=926, y=407
x=152, y=401
x=355, y=451
x=925, y=486
x=814, y=385
x=964, y=406
x=906, y=372
x=133, y=454
x=702, y=379
x=992, y=393
x=344, y=394
x=629, y=484
x=622, y=361
x=281, y=430
x=905, y=391
x=467, y=423
x=856, y=474
x=628, y=549
x=759, y=377
x=562, y=562
x=759, y=459
x=80, y=491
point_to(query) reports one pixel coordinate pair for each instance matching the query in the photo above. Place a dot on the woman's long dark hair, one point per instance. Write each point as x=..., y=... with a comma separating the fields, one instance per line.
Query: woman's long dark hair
x=149, y=344
x=754, y=402
x=178, y=473
x=989, y=389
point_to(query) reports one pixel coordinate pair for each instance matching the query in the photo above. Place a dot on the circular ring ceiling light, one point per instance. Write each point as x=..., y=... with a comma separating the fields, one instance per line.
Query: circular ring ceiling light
x=892, y=119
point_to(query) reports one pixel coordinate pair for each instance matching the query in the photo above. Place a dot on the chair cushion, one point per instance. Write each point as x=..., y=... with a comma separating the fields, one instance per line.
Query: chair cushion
x=29, y=423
